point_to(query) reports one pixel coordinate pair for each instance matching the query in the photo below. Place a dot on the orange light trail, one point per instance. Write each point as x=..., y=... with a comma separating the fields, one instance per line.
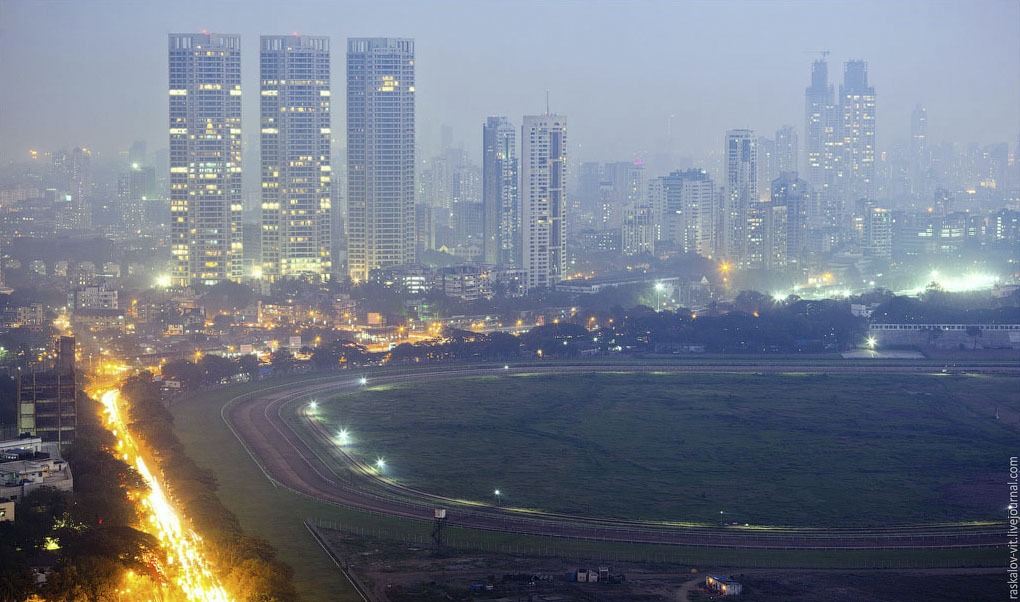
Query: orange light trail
x=183, y=546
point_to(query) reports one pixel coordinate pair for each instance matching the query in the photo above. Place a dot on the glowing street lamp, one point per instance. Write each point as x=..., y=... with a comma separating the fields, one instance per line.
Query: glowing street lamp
x=499, y=499
x=659, y=287
x=343, y=437
x=872, y=341
x=380, y=464
x=362, y=381
x=313, y=405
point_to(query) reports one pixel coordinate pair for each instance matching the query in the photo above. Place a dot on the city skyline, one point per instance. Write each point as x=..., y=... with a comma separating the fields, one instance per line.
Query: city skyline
x=900, y=58
x=549, y=300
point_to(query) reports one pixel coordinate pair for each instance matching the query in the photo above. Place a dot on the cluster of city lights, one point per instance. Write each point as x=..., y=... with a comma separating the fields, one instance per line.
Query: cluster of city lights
x=183, y=547
x=959, y=284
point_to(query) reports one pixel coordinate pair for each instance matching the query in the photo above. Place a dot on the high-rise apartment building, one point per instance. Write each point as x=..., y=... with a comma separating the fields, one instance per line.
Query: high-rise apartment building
x=296, y=170
x=919, y=155
x=628, y=187
x=788, y=245
x=134, y=189
x=858, y=102
x=878, y=233
x=48, y=400
x=683, y=209
x=786, y=149
x=741, y=154
x=500, y=199
x=380, y=154
x=637, y=234
x=74, y=173
x=543, y=202
x=205, y=157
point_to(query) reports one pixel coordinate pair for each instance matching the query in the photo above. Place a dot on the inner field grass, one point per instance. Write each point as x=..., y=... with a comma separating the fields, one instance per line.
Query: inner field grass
x=810, y=449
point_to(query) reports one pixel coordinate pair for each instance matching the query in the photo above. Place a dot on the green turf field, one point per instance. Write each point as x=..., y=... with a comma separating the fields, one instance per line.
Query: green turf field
x=827, y=450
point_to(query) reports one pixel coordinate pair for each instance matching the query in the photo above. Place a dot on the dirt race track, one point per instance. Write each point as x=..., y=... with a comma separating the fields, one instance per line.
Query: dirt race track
x=256, y=419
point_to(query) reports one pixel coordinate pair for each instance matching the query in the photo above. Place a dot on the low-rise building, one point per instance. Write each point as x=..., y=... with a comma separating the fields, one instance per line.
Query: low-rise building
x=723, y=585
x=946, y=336
x=18, y=478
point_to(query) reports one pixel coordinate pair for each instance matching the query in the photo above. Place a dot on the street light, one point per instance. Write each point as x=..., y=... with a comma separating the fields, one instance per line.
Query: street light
x=872, y=341
x=499, y=500
x=363, y=381
x=659, y=287
x=343, y=436
x=380, y=464
x=313, y=405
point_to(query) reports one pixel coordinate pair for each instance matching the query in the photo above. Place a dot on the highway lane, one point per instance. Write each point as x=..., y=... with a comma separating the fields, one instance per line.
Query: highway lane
x=258, y=422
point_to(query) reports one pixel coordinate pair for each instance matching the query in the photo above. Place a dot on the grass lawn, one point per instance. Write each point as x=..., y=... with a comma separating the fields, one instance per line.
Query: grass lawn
x=842, y=450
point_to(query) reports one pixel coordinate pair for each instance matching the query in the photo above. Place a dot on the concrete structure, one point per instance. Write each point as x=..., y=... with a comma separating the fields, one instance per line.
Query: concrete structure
x=380, y=154
x=296, y=170
x=500, y=199
x=543, y=198
x=205, y=157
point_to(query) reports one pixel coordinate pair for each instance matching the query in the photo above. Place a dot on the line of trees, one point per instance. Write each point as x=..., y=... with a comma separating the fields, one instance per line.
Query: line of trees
x=88, y=535
x=247, y=564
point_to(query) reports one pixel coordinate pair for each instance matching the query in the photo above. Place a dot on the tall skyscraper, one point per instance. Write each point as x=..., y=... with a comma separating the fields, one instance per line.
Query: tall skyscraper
x=380, y=154
x=818, y=101
x=500, y=199
x=741, y=154
x=824, y=145
x=81, y=189
x=858, y=101
x=543, y=202
x=205, y=157
x=296, y=169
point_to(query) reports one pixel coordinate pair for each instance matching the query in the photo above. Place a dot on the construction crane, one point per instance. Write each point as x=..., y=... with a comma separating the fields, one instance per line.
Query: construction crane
x=825, y=53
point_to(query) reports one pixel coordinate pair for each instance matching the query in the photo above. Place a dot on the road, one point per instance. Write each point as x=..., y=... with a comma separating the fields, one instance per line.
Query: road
x=257, y=420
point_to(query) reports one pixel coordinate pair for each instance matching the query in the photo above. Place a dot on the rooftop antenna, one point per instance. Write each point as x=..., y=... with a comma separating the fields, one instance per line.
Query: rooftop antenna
x=547, y=102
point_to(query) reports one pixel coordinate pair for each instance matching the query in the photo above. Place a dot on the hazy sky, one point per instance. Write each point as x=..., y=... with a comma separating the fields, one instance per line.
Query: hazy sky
x=94, y=73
